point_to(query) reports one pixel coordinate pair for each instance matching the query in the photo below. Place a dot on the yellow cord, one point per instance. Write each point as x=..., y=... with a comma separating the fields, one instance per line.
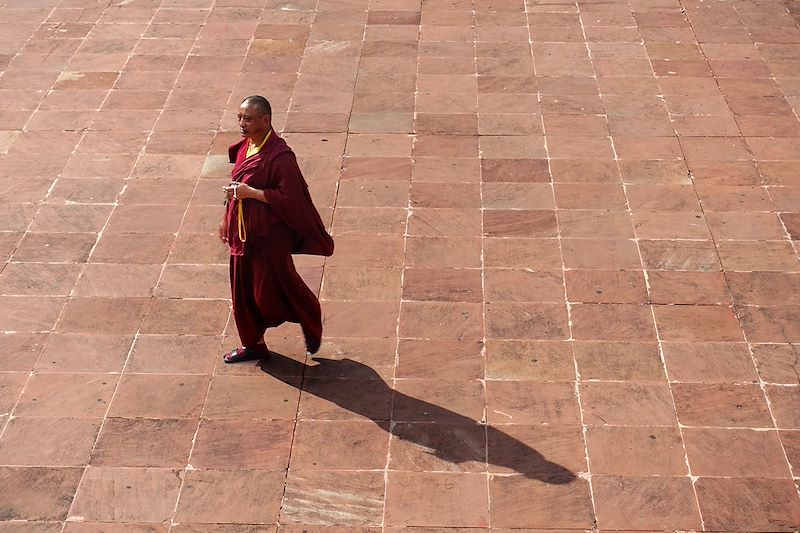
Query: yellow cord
x=251, y=150
x=241, y=226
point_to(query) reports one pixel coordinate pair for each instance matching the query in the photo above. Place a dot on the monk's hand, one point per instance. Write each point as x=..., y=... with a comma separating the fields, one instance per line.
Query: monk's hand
x=223, y=230
x=229, y=190
x=244, y=191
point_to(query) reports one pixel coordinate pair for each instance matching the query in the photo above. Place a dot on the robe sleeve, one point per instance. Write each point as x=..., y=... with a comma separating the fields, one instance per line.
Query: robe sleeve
x=288, y=197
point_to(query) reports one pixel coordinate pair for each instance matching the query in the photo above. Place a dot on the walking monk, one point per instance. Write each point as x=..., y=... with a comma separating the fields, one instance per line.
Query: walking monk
x=269, y=215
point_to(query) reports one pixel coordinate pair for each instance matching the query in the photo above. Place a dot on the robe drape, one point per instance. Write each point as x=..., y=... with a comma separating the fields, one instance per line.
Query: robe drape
x=266, y=289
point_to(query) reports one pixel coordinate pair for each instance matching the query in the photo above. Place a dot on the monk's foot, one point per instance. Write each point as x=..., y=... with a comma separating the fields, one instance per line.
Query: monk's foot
x=246, y=353
x=312, y=346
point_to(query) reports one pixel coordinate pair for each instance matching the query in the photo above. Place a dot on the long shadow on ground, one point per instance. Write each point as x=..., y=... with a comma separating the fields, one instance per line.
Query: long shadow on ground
x=454, y=438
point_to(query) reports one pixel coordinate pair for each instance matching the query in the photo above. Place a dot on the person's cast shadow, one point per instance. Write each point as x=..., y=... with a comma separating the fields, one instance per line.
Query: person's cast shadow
x=454, y=438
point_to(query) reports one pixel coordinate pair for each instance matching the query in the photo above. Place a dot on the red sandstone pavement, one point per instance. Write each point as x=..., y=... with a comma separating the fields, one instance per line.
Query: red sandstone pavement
x=565, y=293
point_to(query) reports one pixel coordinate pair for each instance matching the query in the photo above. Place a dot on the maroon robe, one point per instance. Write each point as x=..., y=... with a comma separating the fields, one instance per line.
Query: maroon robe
x=265, y=287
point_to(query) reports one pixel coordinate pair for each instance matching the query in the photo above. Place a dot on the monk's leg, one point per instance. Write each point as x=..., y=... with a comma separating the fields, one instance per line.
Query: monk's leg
x=249, y=320
x=282, y=293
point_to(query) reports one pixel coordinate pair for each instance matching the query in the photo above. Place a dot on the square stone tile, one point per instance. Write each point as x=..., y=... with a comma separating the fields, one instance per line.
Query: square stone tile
x=440, y=320
x=453, y=230
x=11, y=385
x=645, y=502
x=252, y=398
x=29, y=314
x=361, y=319
x=539, y=254
x=764, y=288
x=117, y=316
x=21, y=351
x=604, y=286
x=126, y=495
x=74, y=395
x=530, y=360
x=537, y=452
x=433, y=495
x=777, y=363
x=174, y=354
x=617, y=322
x=159, y=396
x=621, y=254
x=346, y=499
x=79, y=352
x=31, y=279
x=784, y=401
x=132, y=248
x=618, y=361
x=186, y=317
x=259, y=502
x=449, y=359
x=440, y=284
x=598, y=224
x=771, y=324
x=750, y=504
x=421, y=400
x=438, y=447
x=120, y=280
x=42, y=493
x=335, y=445
x=357, y=283
x=523, y=321
x=705, y=362
x=40, y=441
x=736, y=452
x=679, y=255
x=636, y=451
x=54, y=247
x=721, y=405
x=697, y=323
x=624, y=403
x=528, y=402
x=745, y=226
x=671, y=287
x=526, y=285
x=519, y=502
x=243, y=444
x=144, y=443
x=348, y=399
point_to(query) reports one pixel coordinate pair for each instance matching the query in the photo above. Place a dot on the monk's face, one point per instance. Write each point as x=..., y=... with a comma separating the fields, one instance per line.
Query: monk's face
x=253, y=122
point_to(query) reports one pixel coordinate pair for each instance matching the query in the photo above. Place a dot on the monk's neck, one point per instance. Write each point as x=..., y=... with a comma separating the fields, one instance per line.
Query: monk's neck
x=258, y=141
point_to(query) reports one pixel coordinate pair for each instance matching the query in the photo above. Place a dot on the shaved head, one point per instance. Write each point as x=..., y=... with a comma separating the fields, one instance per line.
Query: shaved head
x=258, y=102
